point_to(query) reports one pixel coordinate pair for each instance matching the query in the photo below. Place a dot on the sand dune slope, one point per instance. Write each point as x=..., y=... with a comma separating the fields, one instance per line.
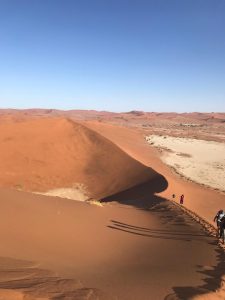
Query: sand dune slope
x=139, y=247
x=54, y=153
x=203, y=201
x=23, y=280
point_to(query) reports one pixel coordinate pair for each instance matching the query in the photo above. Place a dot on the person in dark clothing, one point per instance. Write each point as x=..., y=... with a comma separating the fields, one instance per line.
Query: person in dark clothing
x=220, y=221
x=182, y=199
x=222, y=227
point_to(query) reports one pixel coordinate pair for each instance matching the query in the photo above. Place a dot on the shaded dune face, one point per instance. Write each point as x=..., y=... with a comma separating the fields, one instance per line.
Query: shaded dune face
x=49, y=153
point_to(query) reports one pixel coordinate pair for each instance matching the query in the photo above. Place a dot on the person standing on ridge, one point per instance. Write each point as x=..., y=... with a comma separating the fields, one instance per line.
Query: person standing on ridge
x=182, y=199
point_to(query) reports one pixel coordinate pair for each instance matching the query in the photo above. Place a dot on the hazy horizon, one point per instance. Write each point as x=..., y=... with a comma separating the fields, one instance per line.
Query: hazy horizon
x=111, y=111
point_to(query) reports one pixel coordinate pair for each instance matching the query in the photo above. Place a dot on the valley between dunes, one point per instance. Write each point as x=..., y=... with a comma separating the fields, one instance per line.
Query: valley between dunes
x=138, y=244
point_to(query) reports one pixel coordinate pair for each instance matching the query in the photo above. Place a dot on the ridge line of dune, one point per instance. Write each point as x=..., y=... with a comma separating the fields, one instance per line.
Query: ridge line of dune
x=45, y=154
x=211, y=229
x=82, y=125
x=108, y=140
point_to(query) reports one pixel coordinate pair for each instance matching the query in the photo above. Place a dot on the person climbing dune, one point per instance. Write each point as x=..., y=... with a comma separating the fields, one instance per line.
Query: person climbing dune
x=222, y=228
x=219, y=219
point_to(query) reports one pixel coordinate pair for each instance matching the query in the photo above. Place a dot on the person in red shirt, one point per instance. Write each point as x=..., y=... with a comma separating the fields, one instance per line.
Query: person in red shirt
x=182, y=199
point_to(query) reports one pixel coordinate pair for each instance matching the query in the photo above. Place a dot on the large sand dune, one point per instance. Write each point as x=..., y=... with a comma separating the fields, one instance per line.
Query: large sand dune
x=58, y=156
x=138, y=245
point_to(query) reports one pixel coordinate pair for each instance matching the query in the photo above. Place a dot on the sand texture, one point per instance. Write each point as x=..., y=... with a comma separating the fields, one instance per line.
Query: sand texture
x=135, y=248
x=138, y=244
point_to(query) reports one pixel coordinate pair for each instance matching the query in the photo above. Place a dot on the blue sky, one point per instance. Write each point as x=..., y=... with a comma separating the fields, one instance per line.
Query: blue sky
x=115, y=55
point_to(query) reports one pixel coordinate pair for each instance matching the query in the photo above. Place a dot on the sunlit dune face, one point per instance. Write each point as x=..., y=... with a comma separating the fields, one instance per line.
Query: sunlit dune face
x=60, y=157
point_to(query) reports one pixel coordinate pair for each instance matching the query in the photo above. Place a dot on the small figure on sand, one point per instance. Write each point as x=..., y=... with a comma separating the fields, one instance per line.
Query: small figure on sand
x=182, y=199
x=220, y=222
x=173, y=196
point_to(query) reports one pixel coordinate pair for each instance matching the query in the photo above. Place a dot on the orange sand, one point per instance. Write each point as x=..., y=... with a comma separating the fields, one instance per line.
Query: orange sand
x=138, y=245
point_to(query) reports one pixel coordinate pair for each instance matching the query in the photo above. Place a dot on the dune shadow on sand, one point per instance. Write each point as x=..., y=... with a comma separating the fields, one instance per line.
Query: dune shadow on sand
x=212, y=281
x=143, y=197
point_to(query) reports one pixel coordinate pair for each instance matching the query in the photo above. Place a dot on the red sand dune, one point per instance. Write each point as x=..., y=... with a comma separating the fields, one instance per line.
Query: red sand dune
x=205, y=202
x=142, y=247
x=139, y=245
x=49, y=153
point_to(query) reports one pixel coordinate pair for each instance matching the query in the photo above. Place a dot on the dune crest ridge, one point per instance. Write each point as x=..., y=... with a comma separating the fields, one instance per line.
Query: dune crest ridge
x=46, y=154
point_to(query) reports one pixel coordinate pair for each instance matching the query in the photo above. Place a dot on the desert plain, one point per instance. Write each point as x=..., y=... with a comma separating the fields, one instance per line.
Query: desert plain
x=90, y=205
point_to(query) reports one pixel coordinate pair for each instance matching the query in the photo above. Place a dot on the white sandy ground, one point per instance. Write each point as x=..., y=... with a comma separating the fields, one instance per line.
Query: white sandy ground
x=199, y=160
x=77, y=192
